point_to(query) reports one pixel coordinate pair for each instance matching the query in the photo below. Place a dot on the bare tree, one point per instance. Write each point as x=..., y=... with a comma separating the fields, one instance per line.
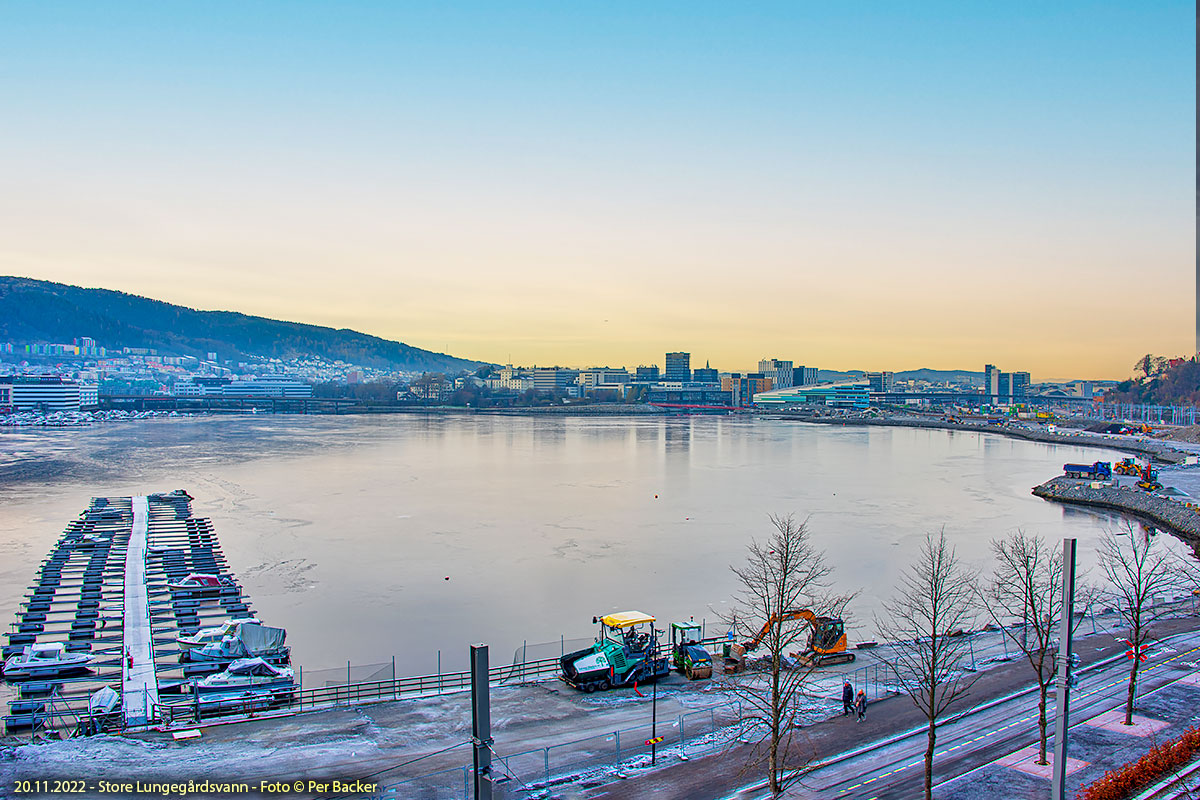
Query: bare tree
x=1138, y=573
x=925, y=624
x=782, y=575
x=1026, y=585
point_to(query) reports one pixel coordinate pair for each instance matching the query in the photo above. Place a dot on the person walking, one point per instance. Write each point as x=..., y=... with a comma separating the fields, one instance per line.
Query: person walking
x=847, y=698
x=860, y=705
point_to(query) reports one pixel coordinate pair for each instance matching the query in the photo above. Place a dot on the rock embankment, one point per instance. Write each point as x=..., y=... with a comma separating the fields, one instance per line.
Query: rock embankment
x=1161, y=452
x=1174, y=517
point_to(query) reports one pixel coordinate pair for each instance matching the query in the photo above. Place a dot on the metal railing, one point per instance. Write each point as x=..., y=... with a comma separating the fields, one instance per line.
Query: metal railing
x=298, y=700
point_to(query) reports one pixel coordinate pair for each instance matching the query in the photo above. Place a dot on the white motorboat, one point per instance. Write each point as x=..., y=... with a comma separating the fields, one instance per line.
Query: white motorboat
x=206, y=636
x=44, y=660
x=248, y=676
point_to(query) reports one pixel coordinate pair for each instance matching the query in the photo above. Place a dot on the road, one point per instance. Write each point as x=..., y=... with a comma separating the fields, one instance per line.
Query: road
x=968, y=749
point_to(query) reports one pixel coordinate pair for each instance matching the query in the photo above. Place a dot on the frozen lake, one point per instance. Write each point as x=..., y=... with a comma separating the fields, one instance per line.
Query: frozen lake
x=344, y=529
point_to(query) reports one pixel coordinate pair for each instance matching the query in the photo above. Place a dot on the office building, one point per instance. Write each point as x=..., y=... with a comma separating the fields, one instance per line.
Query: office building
x=678, y=367
x=646, y=373
x=550, y=379
x=804, y=376
x=781, y=373
x=267, y=386
x=881, y=381
x=1004, y=387
x=705, y=374
x=44, y=394
x=743, y=387
x=676, y=394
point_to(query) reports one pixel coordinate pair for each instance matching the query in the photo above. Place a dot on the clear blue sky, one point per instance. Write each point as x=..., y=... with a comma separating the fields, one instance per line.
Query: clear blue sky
x=576, y=184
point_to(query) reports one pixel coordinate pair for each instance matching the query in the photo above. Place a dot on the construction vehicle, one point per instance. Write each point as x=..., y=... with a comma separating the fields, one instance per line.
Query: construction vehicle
x=624, y=654
x=1127, y=466
x=826, y=642
x=687, y=654
x=1100, y=471
x=1148, y=478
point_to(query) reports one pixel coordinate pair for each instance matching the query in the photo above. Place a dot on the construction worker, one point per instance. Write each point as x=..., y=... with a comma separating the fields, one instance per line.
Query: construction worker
x=847, y=698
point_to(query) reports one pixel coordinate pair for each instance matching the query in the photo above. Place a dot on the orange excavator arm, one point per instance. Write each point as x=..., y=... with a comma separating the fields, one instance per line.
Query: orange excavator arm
x=784, y=616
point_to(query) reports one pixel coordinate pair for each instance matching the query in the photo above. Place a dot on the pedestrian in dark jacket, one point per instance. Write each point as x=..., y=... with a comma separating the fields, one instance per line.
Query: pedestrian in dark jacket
x=860, y=705
x=847, y=699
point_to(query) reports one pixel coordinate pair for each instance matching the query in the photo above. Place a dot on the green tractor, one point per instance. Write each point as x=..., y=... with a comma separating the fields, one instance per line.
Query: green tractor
x=624, y=654
x=687, y=654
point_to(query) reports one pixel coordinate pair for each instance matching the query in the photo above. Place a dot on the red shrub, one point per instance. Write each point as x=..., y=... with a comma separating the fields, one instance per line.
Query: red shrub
x=1125, y=781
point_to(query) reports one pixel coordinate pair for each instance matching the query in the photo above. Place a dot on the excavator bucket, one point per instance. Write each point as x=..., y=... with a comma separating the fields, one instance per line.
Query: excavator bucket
x=698, y=672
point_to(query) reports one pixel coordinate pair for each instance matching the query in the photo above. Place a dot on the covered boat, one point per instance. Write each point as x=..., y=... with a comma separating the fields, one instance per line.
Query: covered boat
x=248, y=675
x=248, y=641
x=44, y=660
x=199, y=581
x=206, y=636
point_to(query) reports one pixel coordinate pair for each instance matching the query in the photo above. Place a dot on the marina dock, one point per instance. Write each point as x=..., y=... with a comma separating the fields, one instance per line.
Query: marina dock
x=104, y=592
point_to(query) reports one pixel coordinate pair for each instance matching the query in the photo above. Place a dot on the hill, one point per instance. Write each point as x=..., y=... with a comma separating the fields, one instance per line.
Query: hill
x=42, y=311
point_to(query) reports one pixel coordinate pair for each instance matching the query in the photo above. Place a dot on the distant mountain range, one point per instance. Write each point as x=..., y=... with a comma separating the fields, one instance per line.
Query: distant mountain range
x=33, y=310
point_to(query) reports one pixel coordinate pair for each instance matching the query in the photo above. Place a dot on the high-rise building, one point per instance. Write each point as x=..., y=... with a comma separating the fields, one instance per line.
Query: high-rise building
x=678, y=367
x=781, y=373
x=1003, y=387
x=881, y=381
x=991, y=382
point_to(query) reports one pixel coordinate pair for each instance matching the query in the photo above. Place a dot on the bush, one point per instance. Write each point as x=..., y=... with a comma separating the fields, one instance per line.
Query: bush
x=1163, y=759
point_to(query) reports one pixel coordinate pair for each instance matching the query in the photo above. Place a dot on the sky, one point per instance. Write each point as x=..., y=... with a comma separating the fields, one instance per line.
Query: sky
x=870, y=185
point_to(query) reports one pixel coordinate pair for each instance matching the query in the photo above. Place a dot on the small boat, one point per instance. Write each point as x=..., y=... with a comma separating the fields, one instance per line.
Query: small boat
x=247, y=676
x=206, y=636
x=42, y=660
x=103, y=702
x=200, y=582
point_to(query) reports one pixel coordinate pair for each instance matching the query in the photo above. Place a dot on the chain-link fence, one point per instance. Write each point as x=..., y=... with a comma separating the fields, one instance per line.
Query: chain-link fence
x=529, y=773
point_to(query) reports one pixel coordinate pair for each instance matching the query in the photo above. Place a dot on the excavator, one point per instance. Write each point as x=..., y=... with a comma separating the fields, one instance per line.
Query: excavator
x=826, y=642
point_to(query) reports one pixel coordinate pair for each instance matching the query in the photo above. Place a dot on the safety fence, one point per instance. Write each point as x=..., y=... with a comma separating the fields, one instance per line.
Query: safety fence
x=197, y=709
x=529, y=773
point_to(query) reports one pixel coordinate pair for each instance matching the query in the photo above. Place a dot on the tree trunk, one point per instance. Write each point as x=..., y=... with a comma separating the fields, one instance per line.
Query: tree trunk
x=1042, y=687
x=929, y=759
x=1132, y=687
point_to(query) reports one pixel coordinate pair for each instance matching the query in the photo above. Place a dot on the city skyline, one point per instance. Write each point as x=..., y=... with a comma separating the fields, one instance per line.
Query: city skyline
x=865, y=188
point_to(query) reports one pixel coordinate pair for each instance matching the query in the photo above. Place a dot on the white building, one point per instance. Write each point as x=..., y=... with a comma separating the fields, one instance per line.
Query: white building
x=44, y=394
x=267, y=387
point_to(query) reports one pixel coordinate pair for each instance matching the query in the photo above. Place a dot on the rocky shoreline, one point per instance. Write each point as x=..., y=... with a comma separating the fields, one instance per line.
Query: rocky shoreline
x=1157, y=451
x=1174, y=517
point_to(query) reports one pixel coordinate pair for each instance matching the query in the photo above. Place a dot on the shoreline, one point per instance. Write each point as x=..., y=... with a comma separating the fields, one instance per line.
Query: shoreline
x=1180, y=521
x=1161, y=452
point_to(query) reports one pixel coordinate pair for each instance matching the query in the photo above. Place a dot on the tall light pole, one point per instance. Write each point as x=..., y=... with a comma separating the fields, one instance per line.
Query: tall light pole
x=1059, y=778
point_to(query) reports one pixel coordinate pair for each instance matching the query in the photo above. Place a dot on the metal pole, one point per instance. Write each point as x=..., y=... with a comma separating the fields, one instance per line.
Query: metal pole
x=1059, y=780
x=481, y=722
x=654, y=718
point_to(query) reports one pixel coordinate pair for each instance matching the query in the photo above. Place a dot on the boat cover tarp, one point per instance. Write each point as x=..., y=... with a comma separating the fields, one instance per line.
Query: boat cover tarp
x=257, y=639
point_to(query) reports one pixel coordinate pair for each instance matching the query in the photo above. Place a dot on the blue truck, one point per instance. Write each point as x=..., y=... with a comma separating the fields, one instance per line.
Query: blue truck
x=1100, y=471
